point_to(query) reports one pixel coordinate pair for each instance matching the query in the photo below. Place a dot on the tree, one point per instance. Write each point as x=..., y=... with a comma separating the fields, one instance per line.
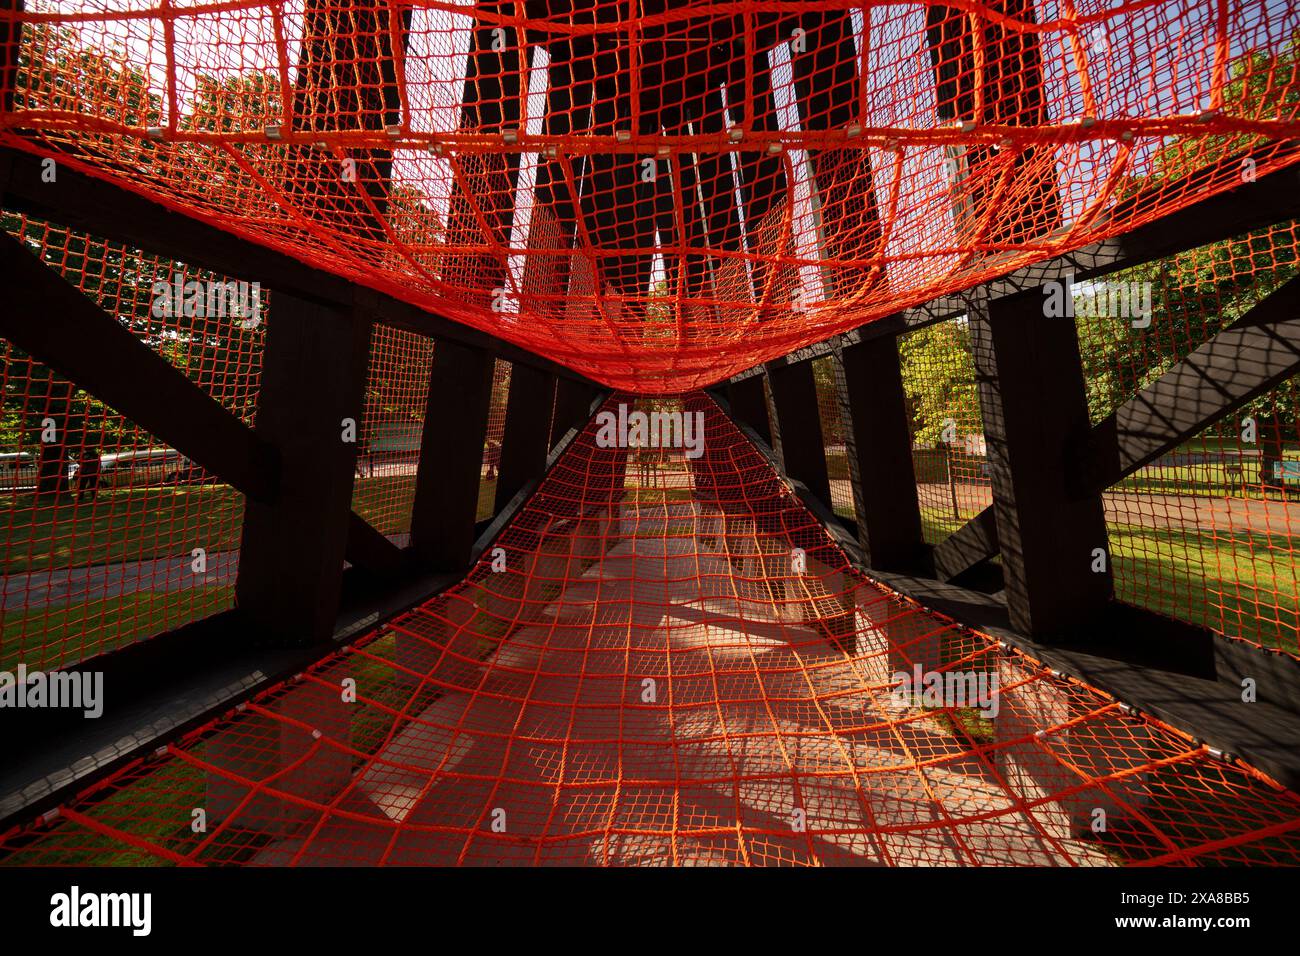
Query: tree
x=939, y=379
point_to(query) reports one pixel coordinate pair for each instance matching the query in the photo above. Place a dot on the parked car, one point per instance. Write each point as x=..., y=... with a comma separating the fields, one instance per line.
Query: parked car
x=17, y=470
x=148, y=466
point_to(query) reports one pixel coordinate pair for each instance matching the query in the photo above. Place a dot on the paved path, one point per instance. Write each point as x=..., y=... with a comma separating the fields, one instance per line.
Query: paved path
x=1193, y=512
x=37, y=590
x=742, y=753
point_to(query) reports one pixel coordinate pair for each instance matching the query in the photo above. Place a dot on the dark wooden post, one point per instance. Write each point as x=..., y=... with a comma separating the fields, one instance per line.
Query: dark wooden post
x=451, y=456
x=749, y=405
x=1054, y=551
x=878, y=443
x=292, y=551
x=572, y=407
x=797, y=427
x=526, y=439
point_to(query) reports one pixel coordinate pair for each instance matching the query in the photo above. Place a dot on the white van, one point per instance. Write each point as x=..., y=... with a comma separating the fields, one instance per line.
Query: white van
x=148, y=466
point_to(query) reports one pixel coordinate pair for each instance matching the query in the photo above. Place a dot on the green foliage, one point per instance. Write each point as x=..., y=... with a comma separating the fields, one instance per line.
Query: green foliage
x=1194, y=294
x=939, y=378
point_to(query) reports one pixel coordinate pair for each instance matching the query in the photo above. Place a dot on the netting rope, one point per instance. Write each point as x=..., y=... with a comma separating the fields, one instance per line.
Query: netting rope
x=662, y=194
x=664, y=659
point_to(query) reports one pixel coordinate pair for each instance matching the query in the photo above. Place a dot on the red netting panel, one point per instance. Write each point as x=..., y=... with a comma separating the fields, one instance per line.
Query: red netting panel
x=107, y=535
x=828, y=379
x=645, y=674
x=388, y=436
x=1207, y=532
x=949, y=455
x=496, y=430
x=663, y=195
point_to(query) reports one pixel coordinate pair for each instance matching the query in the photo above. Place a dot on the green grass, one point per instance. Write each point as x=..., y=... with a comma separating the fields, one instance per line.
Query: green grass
x=385, y=501
x=1239, y=583
x=37, y=637
x=938, y=523
x=126, y=525
x=1208, y=479
x=487, y=498
x=971, y=720
x=141, y=807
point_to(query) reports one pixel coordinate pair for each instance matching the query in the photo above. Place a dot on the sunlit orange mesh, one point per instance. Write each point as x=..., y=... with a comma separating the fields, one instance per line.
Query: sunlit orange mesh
x=676, y=666
x=661, y=194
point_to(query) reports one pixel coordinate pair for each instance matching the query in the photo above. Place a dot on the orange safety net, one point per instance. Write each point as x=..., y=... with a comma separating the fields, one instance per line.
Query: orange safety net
x=1207, y=532
x=107, y=535
x=661, y=194
x=664, y=659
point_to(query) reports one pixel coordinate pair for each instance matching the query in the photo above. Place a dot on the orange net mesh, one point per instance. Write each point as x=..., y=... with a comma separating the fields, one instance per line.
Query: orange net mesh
x=1206, y=532
x=671, y=663
x=388, y=436
x=107, y=535
x=661, y=194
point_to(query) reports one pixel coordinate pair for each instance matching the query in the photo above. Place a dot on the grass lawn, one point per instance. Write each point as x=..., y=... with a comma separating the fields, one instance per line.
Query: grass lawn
x=385, y=502
x=125, y=525
x=938, y=523
x=50, y=637
x=156, y=807
x=487, y=499
x=1240, y=584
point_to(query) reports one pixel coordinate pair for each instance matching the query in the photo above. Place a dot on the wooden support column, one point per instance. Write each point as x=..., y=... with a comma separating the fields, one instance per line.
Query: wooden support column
x=749, y=406
x=797, y=427
x=526, y=440
x=1247, y=359
x=572, y=407
x=292, y=549
x=1034, y=405
x=451, y=456
x=873, y=406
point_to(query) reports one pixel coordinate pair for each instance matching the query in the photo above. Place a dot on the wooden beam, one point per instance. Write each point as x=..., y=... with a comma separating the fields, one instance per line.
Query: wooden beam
x=878, y=445
x=491, y=529
x=10, y=42
x=56, y=324
x=292, y=550
x=748, y=402
x=992, y=76
x=797, y=428
x=1033, y=402
x=1273, y=198
x=107, y=210
x=1245, y=360
x=481, y=208
x=573, y=408
x=370, y=550
x=451, y=457
x=1250, y=357
x=826, y=81
x=526, y=439
x=349, y=57
x=969, y=546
